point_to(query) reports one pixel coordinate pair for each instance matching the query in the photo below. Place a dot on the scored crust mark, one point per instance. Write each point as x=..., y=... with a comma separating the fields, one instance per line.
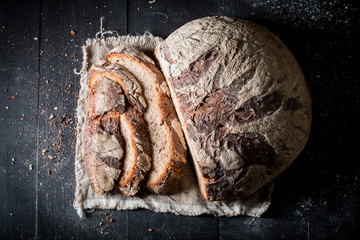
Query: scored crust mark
x=238, y=83
x=196, y=70
x=164, y=48
x=292, y=104
x=238, y=153
x=219, y=109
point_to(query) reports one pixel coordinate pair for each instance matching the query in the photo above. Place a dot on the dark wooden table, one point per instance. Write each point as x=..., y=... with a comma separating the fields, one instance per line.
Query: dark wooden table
x=316, y=198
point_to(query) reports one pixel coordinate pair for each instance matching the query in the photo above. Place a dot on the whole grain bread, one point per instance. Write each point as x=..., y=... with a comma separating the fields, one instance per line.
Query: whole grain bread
x=117, y=147
x=167, y=141
x=242, y=101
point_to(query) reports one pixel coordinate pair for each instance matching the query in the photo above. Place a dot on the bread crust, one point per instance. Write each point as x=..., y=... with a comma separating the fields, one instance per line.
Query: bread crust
x=104, y=143
x=176, y=160
x=242, y=101
x=130, y=184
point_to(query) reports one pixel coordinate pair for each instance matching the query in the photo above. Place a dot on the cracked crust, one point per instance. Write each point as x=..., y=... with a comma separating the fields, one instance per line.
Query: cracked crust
x=242, y=101
x=166, y=136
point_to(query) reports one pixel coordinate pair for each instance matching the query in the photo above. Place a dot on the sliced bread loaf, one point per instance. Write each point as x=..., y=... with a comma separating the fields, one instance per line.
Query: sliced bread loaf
x=103, y=144
x=242, y=100
x=117, y=150
x=166, y=136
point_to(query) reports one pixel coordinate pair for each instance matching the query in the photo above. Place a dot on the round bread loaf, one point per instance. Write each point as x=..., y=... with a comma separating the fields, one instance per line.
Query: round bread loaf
x=242, y=100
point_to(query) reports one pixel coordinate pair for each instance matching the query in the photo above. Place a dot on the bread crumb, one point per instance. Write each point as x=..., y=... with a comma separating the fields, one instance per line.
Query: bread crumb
x=152, y=1
x=44, y=151
x=49, y=172
x=12, y=160
x=30, y=167
x=56, y=108
x=150, y=230
x=51, y=116
x=72, y=32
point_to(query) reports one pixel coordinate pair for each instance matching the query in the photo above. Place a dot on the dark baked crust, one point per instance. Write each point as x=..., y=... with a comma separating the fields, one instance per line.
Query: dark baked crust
x=242, y=101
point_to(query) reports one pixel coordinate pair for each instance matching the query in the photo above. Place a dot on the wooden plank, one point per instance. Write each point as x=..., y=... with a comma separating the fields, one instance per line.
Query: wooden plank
x=146, y=224
x=19, y=25
x=161, y=18
x=59, y=86
x=312, y=197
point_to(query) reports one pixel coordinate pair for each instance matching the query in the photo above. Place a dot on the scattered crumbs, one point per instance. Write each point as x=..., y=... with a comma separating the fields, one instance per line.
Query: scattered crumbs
x=49, y=172
x=12, y=160
x=12, y=97
x=51, y=157
x=150, y=230
x=6, y=107
x=65, y=54
x=56, y=108
x=100, y=224
x=315, y=14
x=31, y=167
x=51, y=116
x=11, y=214
x=44, y=151
x=5, y=90
x=35, y=38
x=152, y=1
x=109, y=219
x=72, y=32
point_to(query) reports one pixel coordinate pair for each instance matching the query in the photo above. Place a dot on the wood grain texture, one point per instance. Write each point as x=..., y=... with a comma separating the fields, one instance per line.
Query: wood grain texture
x=18, y=118
x=316, y=198
x=58, y=88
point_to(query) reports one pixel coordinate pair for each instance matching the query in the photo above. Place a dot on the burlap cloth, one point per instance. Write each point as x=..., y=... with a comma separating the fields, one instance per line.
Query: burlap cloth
x=186, y=199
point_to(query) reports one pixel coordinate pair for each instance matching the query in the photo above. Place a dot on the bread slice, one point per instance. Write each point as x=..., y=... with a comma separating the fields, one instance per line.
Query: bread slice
x=166, y=136
x=117, y=147
x=103, y=145
x=137, y=161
